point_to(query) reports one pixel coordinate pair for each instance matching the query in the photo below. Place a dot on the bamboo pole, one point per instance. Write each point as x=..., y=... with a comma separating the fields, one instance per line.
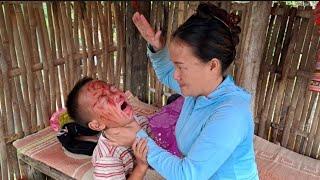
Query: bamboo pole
x=60, y=76
x=21, y=102
x=33, y=110
x=121, y=42
x=96, y=38
x=35, y=59
x=83, y=39
x=68, y=53
x=39, y=86
x=5, y=62
x=27, y=56
x=110, y=72
x=88, y=34
x=3, y=151
x=55, y=99
x=76, y=39
x=104, y=39
x=64, y=52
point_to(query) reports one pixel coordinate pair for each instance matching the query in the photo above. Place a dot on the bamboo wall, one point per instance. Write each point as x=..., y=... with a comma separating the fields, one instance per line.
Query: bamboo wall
x=46, y=47
x=286, y=111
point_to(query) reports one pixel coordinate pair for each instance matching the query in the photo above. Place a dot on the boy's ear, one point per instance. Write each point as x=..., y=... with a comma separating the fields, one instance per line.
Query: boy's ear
x=95, y=125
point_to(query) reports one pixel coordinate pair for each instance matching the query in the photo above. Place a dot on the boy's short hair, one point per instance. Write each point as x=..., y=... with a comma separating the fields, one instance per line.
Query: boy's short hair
x=74, y=110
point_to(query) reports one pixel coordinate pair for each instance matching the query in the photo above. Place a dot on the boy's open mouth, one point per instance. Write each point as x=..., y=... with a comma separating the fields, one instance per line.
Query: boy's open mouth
x=124, y=105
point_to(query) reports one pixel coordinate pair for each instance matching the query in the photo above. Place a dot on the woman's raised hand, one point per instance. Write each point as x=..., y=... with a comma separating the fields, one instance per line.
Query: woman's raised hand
x=147, y=32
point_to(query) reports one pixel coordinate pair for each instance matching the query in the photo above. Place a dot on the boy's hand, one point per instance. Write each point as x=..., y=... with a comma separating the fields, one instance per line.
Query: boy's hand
x=140, y=150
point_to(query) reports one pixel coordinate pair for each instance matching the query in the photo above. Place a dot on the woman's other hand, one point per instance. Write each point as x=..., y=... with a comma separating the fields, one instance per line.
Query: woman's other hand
x=147, y=32
x=122, y=136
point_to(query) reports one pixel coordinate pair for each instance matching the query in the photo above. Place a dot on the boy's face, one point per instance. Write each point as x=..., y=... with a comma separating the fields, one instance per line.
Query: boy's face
x=106, y=104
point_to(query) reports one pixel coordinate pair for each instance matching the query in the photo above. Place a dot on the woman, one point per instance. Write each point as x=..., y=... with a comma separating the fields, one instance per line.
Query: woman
x=215, y=129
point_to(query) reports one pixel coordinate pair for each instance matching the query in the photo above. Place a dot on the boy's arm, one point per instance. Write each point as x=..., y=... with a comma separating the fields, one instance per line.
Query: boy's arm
x=140, y=150
x=138, y=173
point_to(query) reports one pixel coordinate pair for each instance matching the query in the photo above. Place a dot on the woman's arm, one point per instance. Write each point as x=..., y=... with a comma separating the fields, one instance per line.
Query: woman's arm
x=216, y=142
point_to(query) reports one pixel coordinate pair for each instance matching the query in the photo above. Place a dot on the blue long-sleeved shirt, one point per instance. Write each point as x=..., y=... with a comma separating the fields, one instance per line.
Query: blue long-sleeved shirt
x=214, y=132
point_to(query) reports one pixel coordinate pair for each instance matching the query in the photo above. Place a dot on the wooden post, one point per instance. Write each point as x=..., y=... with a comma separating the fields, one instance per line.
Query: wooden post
x=136, y=58
x=254, y=45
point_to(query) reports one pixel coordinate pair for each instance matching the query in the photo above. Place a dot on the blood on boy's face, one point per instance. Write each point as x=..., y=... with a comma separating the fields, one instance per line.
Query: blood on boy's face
x=105, y=103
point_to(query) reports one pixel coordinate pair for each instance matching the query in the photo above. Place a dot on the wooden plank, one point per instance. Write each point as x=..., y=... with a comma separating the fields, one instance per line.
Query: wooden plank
x=42, y=167
x=312, y=121
x=263, y=128
x=305, y=65
x=284, y=60
x=263, y=76
x=288, y=132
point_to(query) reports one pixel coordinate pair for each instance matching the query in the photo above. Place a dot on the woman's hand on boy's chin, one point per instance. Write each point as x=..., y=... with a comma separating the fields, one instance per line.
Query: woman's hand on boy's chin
x=122, y=136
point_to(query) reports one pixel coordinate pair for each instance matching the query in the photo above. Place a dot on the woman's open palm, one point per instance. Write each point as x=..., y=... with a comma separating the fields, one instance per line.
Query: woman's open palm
x=147, y=32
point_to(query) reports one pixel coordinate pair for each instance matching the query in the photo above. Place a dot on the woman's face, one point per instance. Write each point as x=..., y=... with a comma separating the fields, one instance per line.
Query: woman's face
x=106, y=103
x=193, y=76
